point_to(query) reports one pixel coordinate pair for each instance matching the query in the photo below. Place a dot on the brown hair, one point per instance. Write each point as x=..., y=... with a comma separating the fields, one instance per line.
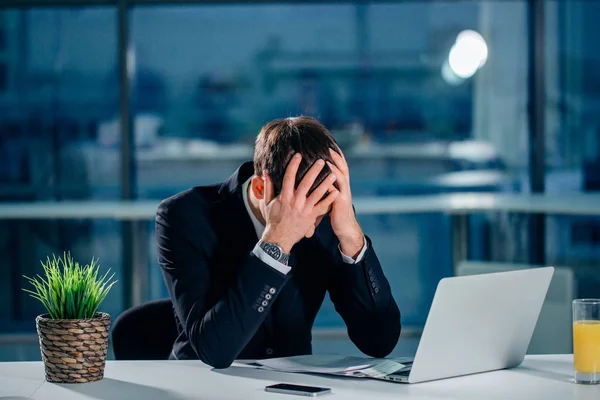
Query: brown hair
x=280, y=139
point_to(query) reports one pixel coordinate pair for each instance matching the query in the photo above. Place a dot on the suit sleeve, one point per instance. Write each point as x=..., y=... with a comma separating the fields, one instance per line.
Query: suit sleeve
x=219, y=333
x=361, y=294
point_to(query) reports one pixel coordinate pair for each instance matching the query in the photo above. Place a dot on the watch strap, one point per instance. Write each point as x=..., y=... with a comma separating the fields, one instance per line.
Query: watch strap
x=275, y=251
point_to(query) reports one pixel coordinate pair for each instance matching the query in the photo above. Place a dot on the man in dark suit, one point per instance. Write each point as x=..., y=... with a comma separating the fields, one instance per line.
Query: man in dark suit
x=247, y=262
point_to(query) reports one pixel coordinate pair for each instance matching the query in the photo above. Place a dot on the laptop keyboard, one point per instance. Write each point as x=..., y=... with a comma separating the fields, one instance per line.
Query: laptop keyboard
x=404, y=372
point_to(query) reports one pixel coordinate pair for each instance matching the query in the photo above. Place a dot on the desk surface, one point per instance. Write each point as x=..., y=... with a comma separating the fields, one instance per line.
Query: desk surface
x=456, y=203
x=540, y=377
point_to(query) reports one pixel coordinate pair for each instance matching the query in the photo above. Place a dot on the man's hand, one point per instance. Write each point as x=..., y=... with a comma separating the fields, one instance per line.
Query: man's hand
x=343, y=221
x=291, y=216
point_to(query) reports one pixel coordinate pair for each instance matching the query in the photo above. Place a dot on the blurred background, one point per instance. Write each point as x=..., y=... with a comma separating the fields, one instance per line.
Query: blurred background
x=102, y=101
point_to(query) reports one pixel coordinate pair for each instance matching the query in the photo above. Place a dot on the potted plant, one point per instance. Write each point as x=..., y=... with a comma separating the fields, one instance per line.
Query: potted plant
x=73, y=335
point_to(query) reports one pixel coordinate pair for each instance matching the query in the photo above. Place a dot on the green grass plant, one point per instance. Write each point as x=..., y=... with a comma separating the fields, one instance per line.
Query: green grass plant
x=69, y=290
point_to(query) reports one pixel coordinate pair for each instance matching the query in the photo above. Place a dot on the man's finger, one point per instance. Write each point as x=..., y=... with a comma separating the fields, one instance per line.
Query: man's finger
x=339, y=160
x=324, y=205
x=311, y=232
x=341, y=153
x=289, y=179
x=309, y=179
x=321, y=190
x=342, y=180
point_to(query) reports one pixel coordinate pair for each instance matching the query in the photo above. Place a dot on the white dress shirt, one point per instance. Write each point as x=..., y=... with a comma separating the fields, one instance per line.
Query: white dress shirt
x=270, y=261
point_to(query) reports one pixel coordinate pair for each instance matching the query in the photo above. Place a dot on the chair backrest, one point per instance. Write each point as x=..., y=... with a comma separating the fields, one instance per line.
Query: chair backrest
x=553, y=333
x=145, y=332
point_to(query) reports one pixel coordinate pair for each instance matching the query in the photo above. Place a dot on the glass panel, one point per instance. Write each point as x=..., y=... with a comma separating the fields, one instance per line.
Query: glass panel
x=573, y=135
x=3, y=78
x=416, y=106
x=56, y=117
x=2, y=31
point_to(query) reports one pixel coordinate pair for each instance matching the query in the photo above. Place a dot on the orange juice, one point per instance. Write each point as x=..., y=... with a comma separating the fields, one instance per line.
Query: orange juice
x=586, y=346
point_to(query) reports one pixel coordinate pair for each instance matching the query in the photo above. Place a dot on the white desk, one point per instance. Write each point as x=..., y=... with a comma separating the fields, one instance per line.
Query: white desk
x=540, y=377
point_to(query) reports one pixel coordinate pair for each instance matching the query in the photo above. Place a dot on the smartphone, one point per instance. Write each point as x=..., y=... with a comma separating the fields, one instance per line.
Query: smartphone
x=300, y=390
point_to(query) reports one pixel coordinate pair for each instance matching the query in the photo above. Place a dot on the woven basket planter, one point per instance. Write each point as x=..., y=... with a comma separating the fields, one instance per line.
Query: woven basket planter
x=73, y=350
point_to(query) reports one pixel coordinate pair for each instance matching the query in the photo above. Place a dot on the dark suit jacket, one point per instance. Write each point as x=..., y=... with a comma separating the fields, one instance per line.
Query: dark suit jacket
x=230, y=305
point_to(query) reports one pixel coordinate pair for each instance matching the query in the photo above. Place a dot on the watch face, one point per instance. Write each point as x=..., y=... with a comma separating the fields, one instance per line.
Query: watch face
x=273, y=251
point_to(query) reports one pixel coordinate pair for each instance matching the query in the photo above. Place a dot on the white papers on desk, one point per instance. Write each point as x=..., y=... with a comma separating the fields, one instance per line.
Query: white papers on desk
x=335, y=364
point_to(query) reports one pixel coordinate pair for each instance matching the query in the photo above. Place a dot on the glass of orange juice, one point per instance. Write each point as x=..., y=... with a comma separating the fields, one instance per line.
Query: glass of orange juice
x=586, y=340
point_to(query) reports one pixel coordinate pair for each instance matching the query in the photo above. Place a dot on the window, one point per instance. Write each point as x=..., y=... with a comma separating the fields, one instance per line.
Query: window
x=56, y=142
x=424, y=97
x=573, y=134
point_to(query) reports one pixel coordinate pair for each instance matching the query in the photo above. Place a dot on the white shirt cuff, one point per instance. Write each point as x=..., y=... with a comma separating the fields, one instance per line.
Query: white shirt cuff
x=350, y=260
x=270, y=261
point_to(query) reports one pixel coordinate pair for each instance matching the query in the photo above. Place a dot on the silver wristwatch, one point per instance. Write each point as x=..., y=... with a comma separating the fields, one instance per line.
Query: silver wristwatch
x=274, y=251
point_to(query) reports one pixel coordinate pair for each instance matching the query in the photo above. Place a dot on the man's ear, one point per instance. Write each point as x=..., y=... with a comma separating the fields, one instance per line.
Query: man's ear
x=257, y=185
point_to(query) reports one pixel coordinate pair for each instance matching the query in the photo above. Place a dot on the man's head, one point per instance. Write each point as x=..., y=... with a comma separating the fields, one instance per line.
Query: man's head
x=280, y=139
x=276, y=144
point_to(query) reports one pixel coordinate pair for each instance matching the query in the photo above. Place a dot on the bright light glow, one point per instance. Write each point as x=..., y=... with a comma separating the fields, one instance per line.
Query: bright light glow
x=468, y=54
x=449, y=76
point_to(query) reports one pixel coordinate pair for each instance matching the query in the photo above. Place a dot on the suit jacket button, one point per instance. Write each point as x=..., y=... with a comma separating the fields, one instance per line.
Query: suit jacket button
x=265, y=303
x=268, y=296
x=272, y=290
x=269, y=351
x=261, y=309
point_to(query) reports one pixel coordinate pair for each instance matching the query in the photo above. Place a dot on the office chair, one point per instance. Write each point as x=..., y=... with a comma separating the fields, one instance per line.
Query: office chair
x=145, y=332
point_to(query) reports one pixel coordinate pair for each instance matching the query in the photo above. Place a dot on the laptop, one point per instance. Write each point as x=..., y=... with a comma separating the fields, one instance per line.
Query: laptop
x=477, y=324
